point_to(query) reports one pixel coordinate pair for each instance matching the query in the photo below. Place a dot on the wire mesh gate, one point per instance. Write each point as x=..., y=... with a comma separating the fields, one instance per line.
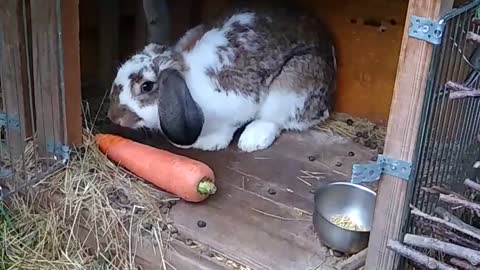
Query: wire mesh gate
x=34, y=124
x=448, y=143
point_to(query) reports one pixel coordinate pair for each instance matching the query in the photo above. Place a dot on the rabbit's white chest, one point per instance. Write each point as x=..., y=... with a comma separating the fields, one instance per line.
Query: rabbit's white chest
x=217, y=105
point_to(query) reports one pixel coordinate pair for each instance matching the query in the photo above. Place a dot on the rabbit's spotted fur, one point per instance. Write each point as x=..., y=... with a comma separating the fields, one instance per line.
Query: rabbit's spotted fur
x=267, y=69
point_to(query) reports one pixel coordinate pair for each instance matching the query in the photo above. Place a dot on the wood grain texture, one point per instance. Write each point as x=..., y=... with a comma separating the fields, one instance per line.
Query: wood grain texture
x=13, y=75
x=403, y=125
x=140, y=26
x=260, y=214
x=46, y=74
x=367, y=36
x=108, y=42
x=56, y=67
x=72, y=71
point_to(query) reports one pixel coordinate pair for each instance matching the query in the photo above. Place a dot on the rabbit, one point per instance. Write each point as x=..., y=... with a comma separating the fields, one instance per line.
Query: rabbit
x=269, y=71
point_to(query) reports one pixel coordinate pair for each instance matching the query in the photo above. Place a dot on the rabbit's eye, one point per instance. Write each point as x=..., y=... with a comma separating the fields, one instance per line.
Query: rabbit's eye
x=147, y=87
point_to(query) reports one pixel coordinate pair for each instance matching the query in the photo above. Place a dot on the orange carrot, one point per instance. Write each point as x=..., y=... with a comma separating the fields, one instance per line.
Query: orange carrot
x=187, y=178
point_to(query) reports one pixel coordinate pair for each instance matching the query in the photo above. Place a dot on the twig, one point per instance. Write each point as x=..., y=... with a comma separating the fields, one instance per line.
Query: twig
x=417, y=257
x=441, y=190
x=456, y=87
x=475, y=21
x=421, y=214
x=354, y=262
x=472, y=184
x=442, y=212
x=463, y=264
x=460, y=91
x=468, y=254
x=278, y=217
x=452, y=199
x=305, y=182
x=473, y=37
x=464, y=94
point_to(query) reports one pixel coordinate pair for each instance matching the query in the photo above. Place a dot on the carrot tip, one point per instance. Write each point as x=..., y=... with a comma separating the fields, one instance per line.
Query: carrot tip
x=206, y=187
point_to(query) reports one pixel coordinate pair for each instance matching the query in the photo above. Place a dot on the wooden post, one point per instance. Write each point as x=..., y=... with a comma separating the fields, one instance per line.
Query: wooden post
x=403, y=125
x=140, y=26
x=56, y=65
x=14, y=75
x=157, y=13
x=109, y=39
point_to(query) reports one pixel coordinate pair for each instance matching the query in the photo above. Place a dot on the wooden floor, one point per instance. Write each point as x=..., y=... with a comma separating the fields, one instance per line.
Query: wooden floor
x=261, y=214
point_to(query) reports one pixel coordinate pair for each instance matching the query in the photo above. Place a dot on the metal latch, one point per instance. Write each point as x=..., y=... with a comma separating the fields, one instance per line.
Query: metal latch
x=9, y=121
x=426, y=29
x=362, y=173
x=59, y=150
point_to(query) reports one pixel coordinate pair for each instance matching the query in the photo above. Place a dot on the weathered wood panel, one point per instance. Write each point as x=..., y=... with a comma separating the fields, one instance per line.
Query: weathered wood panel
x=260, y=214
x=108, y=46
x=72, y=71
x=404, y=122
x=14, y=75
x=56, y=73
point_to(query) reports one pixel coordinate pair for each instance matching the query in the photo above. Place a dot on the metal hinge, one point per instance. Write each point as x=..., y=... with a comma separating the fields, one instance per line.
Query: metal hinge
x=9, y=121
x=362, y=173
x=59, y=150
x=426, y=29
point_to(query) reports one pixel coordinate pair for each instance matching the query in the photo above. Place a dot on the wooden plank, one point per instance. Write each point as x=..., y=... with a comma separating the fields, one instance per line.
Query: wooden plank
x=72, y=73
x=159, y=20
x=368, y=36
x=56, y=71
x=403, y=125
x=140, y=26
x=236, y=227
x=238, y=216
x=108, y=43
x=14, y=75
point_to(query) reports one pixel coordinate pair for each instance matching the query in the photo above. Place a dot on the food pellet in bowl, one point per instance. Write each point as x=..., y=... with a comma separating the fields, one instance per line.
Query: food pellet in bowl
x=346, y=222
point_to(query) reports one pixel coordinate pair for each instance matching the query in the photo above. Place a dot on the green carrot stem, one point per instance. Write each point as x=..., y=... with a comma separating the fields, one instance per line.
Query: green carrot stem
x=206, y=187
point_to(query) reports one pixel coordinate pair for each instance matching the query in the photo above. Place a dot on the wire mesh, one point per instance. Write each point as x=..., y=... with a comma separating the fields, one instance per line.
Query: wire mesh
x=22, y=165
x=448, y=145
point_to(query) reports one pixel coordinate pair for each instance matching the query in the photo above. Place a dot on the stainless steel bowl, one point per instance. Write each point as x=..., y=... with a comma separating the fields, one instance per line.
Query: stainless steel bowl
x=349, y=199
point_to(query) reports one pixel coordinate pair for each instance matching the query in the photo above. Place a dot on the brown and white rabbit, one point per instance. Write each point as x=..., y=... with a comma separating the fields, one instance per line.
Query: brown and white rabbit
x=267, y=69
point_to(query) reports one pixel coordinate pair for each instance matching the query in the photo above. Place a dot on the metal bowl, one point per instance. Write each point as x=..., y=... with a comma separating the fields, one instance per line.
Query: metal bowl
x=349, y=199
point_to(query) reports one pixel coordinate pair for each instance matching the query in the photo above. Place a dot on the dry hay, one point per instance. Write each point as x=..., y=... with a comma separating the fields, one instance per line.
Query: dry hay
x=95, y=197
x=360, y=130
x=92, y=194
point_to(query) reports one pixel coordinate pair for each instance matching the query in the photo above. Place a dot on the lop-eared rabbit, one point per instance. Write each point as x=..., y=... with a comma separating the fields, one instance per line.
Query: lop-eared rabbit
x=263, y=68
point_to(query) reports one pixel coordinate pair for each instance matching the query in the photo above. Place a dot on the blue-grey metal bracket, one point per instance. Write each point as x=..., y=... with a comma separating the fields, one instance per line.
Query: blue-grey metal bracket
x=362, y=173
x=59, y=150
x=426, y=29
x=9, y=121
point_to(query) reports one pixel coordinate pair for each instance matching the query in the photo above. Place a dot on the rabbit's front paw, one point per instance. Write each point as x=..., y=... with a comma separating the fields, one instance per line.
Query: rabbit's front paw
x=258, y=135
x=215, y=141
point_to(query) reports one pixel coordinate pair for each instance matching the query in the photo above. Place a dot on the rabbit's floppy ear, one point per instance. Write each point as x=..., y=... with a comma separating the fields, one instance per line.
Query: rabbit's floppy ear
x=181, y=119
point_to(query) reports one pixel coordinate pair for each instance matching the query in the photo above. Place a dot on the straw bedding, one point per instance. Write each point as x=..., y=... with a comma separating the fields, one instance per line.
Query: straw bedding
x=38, y=228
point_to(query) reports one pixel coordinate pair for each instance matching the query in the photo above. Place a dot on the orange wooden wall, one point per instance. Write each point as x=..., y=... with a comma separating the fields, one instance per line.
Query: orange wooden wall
x=368, y=37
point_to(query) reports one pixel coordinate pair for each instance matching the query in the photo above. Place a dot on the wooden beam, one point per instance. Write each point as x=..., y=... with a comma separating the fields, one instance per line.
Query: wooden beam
x=403, y=125
x=56, y=65
x=157, y=13
x=72, y=74
x=140, y=26
x=14, y=75
x=109, y=39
